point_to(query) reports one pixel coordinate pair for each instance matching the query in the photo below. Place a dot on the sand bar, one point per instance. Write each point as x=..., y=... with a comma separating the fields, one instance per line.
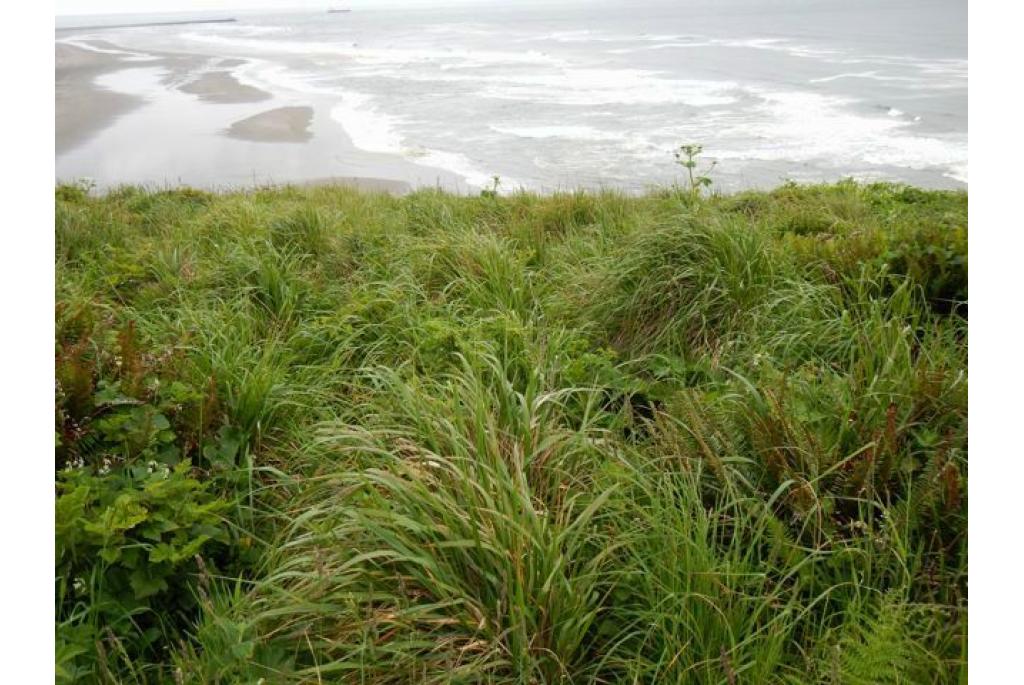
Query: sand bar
x=221, y=87
x=281, y=125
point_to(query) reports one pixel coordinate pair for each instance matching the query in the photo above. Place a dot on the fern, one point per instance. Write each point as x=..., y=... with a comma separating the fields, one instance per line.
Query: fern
x=879, y=647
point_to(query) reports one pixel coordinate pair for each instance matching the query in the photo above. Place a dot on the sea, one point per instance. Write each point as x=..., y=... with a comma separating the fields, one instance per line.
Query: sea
x=555, y=95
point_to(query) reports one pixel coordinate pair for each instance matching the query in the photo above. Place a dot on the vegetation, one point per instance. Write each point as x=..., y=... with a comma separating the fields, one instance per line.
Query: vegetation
x=319, y=435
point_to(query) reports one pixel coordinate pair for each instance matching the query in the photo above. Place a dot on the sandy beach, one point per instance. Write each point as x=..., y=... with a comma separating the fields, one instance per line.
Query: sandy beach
x=215, y=130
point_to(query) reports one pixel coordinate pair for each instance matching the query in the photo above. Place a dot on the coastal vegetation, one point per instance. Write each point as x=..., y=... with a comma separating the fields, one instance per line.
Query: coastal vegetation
x=311, y=435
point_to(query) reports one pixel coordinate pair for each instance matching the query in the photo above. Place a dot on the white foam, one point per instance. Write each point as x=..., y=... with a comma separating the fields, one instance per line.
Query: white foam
x=129, y=55
x=374, y=131
x=597, y=86
x=580, y=36
x=275, y=78
x=575, y=86
x=463, y=28
x=778, y=45
x=368, y=128
x=873, y=75
x=461, y=165
x=958, y=172
x=806, y=127
x=558, y=131
x=661, y=46
x=589, y=36
x=371, y=55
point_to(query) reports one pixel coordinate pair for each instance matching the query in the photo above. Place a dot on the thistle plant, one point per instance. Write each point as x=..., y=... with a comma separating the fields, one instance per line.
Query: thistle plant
x=493, y=190
x=687, y=157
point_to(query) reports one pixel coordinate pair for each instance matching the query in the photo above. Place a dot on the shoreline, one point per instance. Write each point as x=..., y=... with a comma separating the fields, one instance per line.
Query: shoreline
x=227, y=105
x=223, y=84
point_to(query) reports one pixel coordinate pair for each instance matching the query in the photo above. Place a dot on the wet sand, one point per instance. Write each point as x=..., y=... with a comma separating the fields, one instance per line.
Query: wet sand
x=281, y=125
x=83, y=108
x=221, y=87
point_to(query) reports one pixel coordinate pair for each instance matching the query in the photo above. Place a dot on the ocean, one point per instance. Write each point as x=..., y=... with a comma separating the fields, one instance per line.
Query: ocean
x=552, y=96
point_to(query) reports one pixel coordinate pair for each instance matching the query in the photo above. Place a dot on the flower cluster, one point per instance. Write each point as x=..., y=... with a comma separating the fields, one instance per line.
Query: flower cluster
x=154, y=466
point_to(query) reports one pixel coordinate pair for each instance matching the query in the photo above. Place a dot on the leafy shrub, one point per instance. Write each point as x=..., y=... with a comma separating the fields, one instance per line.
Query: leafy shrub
x=126, y=547
x=934, y=260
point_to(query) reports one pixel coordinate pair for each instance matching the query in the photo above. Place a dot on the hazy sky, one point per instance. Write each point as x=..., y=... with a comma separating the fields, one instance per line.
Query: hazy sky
x=65, y=7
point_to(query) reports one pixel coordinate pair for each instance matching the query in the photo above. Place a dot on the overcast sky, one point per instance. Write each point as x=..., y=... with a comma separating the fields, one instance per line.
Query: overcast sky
x=66, y=7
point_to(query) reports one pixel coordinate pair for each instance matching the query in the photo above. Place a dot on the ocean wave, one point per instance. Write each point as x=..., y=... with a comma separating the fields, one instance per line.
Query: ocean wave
x=372, y=55
x=558, y=131
x=600, y=86
x=367, y=127
x=958, y=172
x=371, y=130
x=872, y=75
x=661, y=46
x=275, y=77
x=806, y=127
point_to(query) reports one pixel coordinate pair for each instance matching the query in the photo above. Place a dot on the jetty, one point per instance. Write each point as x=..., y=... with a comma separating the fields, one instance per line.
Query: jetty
x=149, y=23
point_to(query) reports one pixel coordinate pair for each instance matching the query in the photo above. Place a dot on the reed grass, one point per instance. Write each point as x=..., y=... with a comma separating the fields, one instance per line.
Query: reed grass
x=579, y=438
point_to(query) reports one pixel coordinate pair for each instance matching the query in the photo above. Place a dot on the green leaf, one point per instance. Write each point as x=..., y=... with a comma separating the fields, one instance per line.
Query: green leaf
x=124, y=514
x=110, y=554
x=145, y=585
x=224, y=453
x=162, y=552
x=110, y=395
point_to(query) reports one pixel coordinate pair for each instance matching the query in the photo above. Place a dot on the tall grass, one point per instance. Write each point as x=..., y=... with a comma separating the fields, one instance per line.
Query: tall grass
x=582, y=438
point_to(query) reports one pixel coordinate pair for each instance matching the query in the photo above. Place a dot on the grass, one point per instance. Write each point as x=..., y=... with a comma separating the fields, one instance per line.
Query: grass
x=321, y=435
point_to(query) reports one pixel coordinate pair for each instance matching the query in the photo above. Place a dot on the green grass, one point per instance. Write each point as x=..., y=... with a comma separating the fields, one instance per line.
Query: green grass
x=319, y=435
